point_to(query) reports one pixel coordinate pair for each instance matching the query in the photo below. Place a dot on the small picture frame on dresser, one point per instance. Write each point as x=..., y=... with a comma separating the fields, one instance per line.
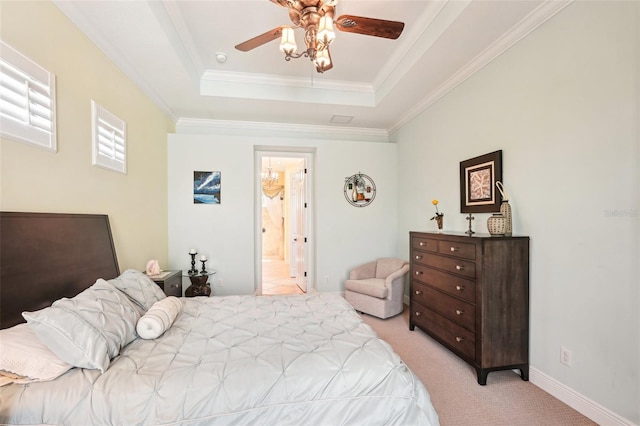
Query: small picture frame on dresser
x=478, y=177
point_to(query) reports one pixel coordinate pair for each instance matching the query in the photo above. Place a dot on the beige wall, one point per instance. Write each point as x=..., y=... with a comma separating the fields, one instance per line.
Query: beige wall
x=35, y=180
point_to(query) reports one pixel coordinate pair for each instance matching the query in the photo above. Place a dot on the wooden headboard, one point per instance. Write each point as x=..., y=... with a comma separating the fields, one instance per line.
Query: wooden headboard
x=46, y=256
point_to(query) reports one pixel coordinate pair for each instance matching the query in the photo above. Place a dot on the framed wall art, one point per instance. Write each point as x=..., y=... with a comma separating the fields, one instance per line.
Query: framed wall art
x=359, y=190
x=206, y=187
x=478, y=177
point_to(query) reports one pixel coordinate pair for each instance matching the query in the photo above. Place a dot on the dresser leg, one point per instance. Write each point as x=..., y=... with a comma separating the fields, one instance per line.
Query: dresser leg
x=524, y=372
x=482, y=375
x=412, y=326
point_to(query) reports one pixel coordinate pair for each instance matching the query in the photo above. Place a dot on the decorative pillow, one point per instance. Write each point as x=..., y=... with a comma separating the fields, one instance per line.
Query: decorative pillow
x=159, y=318
x=139, y=288
x=89, y=329
x=24, y=359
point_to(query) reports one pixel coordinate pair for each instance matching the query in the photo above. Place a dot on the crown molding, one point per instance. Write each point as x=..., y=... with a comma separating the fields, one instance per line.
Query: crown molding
x=431, y=25
x=279, y=130
x=537, y=17
x=294, y=89
x=79, y=20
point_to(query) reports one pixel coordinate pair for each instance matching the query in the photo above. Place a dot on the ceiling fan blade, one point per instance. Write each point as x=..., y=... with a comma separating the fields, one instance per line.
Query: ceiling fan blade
x=370, y=26
x=260, y=40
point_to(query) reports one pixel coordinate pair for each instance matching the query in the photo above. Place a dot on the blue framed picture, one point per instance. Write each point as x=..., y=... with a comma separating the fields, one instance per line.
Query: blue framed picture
x=206, y=187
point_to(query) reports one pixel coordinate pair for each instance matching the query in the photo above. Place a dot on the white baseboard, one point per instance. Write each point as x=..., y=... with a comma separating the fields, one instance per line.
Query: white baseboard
x=573, y=399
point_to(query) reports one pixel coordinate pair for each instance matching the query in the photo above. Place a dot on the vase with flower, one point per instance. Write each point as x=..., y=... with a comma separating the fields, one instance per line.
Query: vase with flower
x=438, y=217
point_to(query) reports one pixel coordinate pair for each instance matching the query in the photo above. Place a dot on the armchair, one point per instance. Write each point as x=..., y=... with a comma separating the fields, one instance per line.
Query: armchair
x=377, y=288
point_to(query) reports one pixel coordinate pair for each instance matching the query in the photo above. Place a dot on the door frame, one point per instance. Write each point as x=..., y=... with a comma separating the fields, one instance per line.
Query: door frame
x=291, y=152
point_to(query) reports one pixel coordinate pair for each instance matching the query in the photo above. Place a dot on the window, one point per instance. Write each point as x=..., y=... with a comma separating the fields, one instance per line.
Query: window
x=109, y=139
x=27, y=100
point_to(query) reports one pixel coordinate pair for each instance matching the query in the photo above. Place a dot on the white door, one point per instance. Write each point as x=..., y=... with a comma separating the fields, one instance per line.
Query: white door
x=299, y=230
x=293, y=220
x=299, y=218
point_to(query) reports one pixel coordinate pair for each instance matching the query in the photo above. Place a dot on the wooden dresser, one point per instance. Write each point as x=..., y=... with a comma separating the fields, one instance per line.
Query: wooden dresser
x=471, y=294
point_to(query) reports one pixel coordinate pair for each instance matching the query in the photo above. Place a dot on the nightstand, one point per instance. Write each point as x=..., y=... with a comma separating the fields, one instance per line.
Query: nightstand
x=170, y=282
x=199, y=285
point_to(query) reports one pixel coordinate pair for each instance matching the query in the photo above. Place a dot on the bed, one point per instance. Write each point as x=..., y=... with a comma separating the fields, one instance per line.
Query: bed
x=240, y=360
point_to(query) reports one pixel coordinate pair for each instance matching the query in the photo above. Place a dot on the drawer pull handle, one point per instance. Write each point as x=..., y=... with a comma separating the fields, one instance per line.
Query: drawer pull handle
x=418, y=313
x=422, y=244
x=459, y=339
x=459, y=287
x=418, y=257
x=419, y=272
x=454, y=249
x=418, y=292
x=459, y=312
x=459, y=267
x=175, y=285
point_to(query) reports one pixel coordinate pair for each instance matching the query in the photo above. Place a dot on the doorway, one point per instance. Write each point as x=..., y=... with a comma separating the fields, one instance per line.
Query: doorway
x=283, y=254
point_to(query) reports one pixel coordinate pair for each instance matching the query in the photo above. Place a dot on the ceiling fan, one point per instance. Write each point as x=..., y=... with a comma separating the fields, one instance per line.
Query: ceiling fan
x=316, y=18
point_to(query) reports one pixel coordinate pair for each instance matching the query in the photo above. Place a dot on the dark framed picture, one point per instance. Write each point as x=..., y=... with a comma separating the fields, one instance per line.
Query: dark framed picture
x=478, y=177
x=206, y=187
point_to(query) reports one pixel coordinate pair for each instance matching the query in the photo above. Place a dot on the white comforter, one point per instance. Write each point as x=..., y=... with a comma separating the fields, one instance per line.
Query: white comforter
x=242, y=360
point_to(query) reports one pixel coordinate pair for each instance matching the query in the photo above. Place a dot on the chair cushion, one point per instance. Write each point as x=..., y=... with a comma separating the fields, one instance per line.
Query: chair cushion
x=369, y=286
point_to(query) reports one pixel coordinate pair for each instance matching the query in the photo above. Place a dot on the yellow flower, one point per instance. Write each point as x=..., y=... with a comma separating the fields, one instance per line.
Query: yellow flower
x=435, y=203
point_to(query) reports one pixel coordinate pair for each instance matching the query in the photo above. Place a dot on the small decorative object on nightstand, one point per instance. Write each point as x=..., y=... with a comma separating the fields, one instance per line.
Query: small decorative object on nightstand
x=169, y=281
x=193, y=269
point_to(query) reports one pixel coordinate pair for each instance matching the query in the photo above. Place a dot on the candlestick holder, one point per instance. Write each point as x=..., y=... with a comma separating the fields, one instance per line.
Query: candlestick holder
x=204, y=270
x=193, y=269
x=470, y=231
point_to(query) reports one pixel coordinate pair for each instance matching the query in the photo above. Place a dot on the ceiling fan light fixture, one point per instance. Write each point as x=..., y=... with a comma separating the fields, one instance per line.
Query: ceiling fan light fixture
x=322, y=59
x=288, y=41
x=316, y=19
x=326, y=33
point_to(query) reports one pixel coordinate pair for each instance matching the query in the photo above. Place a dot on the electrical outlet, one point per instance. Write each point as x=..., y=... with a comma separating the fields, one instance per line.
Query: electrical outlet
x=565, y=356
x=219, y=282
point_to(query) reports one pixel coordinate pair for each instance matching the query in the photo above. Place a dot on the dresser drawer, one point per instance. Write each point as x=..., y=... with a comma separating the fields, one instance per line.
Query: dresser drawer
x=450, y=264
x=173, y=286
x=454, y=336
x=454, y=309
x=170, y=282
x=456, y=286
x=458, y=249
x=424, y=244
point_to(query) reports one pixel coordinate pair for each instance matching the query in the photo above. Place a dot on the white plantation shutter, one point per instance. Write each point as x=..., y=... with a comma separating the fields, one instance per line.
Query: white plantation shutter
x=109, y=139
x=27, y=100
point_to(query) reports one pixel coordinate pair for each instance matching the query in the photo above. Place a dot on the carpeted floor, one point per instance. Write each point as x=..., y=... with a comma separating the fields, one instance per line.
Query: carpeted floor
x=455, y=393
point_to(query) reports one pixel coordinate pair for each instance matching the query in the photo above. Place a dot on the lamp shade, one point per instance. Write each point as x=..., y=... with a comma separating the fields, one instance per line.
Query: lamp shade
x=325, y=30
x=288, y=41
x=322, y=59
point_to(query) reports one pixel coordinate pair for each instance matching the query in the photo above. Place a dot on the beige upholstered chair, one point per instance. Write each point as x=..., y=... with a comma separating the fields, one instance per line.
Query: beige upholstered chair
x=377, y=288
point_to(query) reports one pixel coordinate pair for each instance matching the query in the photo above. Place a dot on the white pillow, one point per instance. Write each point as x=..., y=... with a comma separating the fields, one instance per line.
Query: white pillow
x=25, y=359
x=141, y=289
x=89, y=329
x=159, y=318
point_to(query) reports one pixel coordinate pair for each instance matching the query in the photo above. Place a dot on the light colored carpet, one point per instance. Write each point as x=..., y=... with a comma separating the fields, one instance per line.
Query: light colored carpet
x=454, y=390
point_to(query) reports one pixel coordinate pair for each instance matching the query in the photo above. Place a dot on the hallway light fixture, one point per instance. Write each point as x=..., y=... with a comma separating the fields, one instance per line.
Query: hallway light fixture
x=270, y=177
